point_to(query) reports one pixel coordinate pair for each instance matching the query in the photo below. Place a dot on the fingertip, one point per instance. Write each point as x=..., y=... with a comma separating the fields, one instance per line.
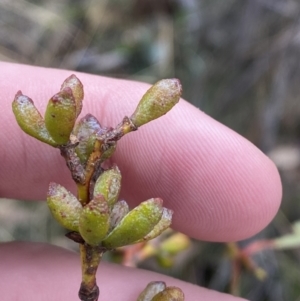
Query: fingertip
x=266, y=198
x=243, y=188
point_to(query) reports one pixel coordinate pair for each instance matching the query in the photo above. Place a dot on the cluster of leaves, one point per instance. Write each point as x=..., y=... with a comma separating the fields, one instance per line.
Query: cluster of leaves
x=158, y=291
x=98, y=221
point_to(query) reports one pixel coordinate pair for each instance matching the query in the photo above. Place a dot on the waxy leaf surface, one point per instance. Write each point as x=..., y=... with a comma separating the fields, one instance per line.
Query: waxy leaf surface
x=86, y=131
x=119, y=210
x=157, y=101
x=171, y=293
x=135, y=225
x=109, y=185
x=94, y=221
x=30, y=119
x=60, y=116
x=64, y=206
x=152, y=289
x=76, y=86
x=162, y=225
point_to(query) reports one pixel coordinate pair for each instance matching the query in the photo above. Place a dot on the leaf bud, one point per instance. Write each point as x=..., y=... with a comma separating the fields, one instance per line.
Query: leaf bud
x=30, y=120
x=76, y=86
x=157, y=101
x=109, y=151
x=119, y=210
x=136, y=224
x=60, y=116
x=170, y=293
x=109, y=185
x=64, y=206
x=152, y=289
x=94, y=220
x=85, y=131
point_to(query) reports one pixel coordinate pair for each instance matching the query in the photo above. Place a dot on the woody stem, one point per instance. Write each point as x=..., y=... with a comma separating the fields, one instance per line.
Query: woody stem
x=90, y=260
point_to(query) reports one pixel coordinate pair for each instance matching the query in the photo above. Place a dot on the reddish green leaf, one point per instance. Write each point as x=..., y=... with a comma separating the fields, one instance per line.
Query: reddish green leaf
x=171, y=293
x=30, y=119
x=60, y=116
x=135, y=225
x=64, y=206
x=94, y=221
x=86, y=131
x=109, y=185
x=76, y=86
x=152, y=289
x=157, y=101
x=119, y=210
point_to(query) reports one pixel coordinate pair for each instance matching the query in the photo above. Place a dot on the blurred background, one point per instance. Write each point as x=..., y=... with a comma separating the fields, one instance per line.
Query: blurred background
x=238, y=61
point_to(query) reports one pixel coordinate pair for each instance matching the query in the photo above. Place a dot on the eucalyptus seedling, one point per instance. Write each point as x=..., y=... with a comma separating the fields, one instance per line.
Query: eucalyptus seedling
x=95, y=217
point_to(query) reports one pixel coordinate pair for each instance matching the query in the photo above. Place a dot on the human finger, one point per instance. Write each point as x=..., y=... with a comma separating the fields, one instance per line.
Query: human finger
x=35, y=271
x=220, y=186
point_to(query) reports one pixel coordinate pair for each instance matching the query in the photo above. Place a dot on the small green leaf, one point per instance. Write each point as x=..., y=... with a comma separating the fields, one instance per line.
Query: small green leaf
x=152, y=289
x=30, y=119
x=119, y=210
x=107, y=153
x=157, y=101
x=86, y=131
x=76, y=86
x=109, y=185
x=64, y=206
x=60, y=116
x=175, y=244
x=161, y=226
x=171, y=293
x=135, y=225
x=94, y=220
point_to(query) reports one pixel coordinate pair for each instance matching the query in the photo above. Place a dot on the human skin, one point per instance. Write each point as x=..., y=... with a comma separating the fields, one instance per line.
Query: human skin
x=220, y=186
